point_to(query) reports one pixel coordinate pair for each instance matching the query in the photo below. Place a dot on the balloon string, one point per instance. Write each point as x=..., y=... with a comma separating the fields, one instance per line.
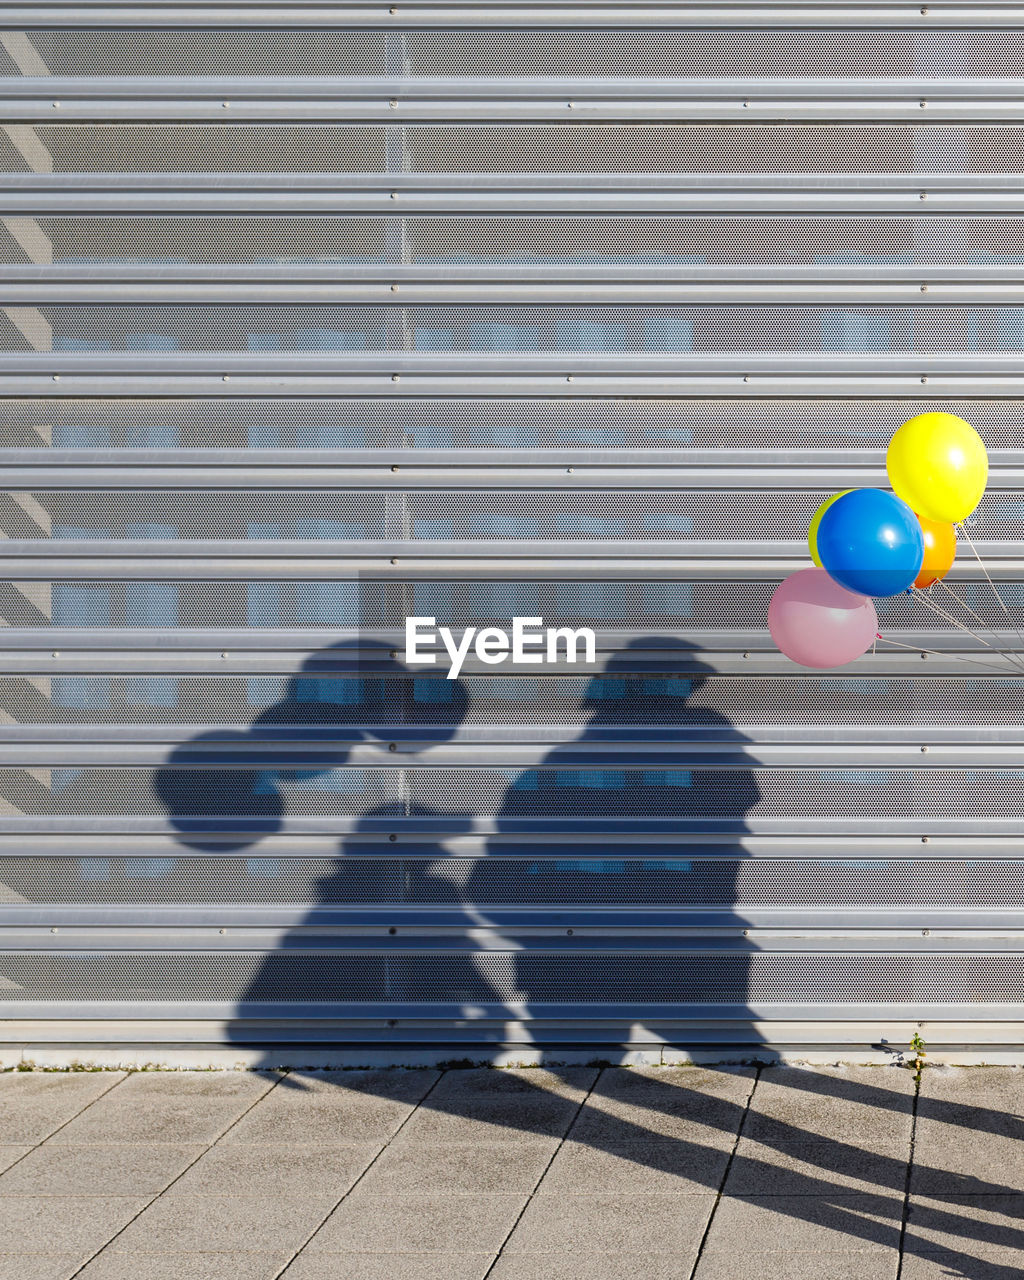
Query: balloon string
x=962, y=604
x=989, y=666
x=930, y=604
x=981, y=562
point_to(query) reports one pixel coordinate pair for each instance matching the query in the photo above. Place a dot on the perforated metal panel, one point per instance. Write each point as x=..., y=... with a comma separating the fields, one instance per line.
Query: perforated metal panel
x=270, y=299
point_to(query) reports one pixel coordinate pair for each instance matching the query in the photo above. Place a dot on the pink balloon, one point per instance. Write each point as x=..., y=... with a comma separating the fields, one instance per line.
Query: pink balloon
x=818, y=623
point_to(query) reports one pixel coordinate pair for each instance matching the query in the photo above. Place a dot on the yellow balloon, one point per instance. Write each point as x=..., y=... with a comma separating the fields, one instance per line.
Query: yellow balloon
x=938, y=465
x=812, y=532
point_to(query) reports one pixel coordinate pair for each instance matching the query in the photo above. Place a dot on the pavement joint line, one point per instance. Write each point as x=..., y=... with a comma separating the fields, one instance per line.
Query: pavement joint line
x=338, y=1203
x=906, y=1186
x=163, y=1190
x=543, y=1173
x=725, y=1176
x=53, y=1133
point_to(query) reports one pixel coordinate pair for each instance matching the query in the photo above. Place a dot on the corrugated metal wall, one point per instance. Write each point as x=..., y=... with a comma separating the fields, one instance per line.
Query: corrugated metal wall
x=315, y=319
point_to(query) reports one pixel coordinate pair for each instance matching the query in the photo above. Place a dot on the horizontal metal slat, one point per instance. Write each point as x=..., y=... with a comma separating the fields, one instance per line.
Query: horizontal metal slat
x=921, y=99
x=896, y=14
x=24, y=285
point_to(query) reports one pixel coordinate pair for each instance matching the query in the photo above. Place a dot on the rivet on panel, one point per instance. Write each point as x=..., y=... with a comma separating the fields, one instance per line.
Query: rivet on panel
x=394, y=195
x=922, y=103
x=926, y=839
x=925, y=378
x=56, y=377
x=226, y=377
x=746, y=379
x=225, y=104
x=396, y=377
x=924, y=751
x=923, y=195
x=569, y=470
x=924, y=288
x=392, y=930
x=54, y=929
x=394, y=288
x=569, y=378
x=395, y=467
x=925, y=933
x=224, y=654
x=222, y=932
x=392, y=746
x=56, y=104
x=393, y=103
x=392, y=838
x=394, y=560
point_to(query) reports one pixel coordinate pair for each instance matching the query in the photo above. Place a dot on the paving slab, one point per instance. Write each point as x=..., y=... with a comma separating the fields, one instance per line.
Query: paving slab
x=967, y=1223
x=36, y=1103
x=593, y=1266
x=970, y=1262
x=690, y=1104
x=221, y=1224
x=814, y=1169
x=40, y=1266
x=839, y=1223
x=289, y=1171
x=388, y=1266
x=335, y=1107
x=175, y=1107
x=365, y=1223
x=739, y=1264
x=185, y=1266
x=469, y=1120
x=657, y=1166
x=952, y=1160
x=475, y=1168
x=600, y=1223
x=64, y=1224
x=54, y=1170
x=869, y=1107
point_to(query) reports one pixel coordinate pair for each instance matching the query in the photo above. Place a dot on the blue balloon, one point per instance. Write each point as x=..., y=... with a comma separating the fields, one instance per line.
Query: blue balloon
x=871, y=542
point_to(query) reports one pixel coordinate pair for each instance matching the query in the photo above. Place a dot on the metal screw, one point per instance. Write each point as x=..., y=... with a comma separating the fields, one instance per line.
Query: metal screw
x=746, y=933
x=924, y=657
x=56, y=377
x=396, y=377
x=746, y=655
x=394, y=195
x=746, y=104
x=392, y=746
x=569, y=378
x=393, y=102
x=224, y=654
x=392, y=929
x=924, y=379
x=923, y=104
x=225, y=104
x=926, y=839
x=56, y=653
x=226, y=378
x=392, y=838
x=569, y=932
x=924, y=751
x=925, y=933
x=394, y=653
x=924, y=288
x=746, y=379
x=394, y=560
x=569, y=470
x=394, y=288
x=570, y=105
x=392, y=12
x=54, y=929
x=395, y=467
x=923, y=195
x=222, y=932
x=924, y=13
x=56, y=104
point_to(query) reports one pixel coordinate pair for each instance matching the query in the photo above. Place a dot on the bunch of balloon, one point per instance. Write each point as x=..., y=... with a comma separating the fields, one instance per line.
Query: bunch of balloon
x=868, y=543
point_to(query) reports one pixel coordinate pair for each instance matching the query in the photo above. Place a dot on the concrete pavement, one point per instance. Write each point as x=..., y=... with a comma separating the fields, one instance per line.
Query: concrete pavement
x=581, y=1173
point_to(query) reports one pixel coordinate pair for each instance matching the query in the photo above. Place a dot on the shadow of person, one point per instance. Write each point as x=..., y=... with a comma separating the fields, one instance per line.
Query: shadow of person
x=602, y=828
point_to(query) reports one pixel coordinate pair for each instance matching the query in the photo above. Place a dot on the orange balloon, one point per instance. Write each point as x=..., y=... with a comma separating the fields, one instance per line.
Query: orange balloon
x=939, y=551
